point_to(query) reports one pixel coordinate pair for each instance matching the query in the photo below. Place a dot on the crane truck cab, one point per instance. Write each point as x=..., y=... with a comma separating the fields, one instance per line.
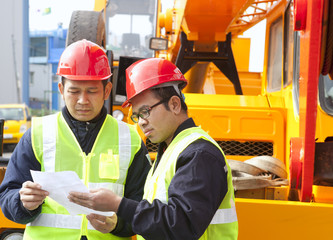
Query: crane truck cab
x=17, y=120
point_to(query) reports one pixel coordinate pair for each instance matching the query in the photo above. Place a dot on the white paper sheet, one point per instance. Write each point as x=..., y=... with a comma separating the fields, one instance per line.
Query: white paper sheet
x=59, y=184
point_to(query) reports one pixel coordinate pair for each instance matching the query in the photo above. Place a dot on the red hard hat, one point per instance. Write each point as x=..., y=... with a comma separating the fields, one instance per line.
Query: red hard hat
x=151, y=72
x=84, y=60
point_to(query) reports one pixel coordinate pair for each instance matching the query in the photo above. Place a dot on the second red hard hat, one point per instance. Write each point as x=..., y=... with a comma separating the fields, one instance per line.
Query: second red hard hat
x=149, y=73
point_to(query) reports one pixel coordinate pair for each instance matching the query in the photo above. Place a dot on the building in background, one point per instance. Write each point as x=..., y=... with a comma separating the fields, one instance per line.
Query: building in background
x=14, y=61
x=46, y=48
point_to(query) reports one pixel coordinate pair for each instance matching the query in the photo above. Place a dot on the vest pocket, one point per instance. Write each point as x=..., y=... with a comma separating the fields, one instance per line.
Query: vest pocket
x=109, y=166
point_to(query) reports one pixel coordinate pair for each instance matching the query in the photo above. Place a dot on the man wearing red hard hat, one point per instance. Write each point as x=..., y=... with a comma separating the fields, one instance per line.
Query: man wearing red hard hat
x=83, y=138
x=188, y=193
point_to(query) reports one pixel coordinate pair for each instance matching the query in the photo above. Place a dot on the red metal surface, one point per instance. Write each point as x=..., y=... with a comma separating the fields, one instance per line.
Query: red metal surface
x=300, y=14
x=309, y=75
x=296, y=160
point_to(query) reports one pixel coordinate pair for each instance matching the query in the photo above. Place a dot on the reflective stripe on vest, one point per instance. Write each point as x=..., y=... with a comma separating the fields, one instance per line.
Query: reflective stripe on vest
x=227, y=215
x=59, y=221
x=49, y=143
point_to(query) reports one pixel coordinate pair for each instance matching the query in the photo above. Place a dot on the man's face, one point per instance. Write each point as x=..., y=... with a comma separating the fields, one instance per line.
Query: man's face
x=158, y=127
x=84, y=99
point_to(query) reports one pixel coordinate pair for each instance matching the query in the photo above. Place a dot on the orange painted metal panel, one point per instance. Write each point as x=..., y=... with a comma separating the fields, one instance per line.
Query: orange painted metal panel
x=210, y=19
x=276, y=220
x=239, y=118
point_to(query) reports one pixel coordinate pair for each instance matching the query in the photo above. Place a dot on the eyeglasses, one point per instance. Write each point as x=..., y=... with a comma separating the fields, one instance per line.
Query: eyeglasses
x=145, y=113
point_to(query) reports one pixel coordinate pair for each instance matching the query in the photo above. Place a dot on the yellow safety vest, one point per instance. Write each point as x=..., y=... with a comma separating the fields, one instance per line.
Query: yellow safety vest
x=106, y=166
x=224, y=224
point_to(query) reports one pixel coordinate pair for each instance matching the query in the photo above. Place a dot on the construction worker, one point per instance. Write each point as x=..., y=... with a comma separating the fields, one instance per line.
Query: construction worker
x=188, y=193
x=103, y=151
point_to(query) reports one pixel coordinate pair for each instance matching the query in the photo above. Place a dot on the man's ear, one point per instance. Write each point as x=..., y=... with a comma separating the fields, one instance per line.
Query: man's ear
x=61, y=88
x=107, y=90
x=175, y=104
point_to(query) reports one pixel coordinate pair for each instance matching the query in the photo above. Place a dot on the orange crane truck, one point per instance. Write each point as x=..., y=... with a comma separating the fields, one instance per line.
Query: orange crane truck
x=284, y=112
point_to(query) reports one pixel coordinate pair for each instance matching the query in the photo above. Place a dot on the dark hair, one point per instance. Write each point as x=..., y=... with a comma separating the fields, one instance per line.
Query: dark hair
x=104, y=82
x=166, y=93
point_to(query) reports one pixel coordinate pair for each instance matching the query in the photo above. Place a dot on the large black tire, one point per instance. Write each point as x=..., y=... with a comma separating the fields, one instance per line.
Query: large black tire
x=12, y=234
x=86, y=25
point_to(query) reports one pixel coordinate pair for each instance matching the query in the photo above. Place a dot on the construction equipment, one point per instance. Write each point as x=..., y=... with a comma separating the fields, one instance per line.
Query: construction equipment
x=274, y=113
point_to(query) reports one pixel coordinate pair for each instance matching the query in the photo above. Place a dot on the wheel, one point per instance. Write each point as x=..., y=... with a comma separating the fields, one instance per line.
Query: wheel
x=12, y=235
x=86, y=25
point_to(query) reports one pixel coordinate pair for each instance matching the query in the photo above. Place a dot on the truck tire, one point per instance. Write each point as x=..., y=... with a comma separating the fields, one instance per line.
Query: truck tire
x=86, y=25
x=12, y=235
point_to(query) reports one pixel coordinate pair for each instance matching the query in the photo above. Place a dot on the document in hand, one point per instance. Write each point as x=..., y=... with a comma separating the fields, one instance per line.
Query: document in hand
x=59, y=184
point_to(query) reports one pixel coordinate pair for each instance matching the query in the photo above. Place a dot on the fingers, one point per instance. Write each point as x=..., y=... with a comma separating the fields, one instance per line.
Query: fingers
x=102, y=223
x=99, y=199
x=79, y=195
x=95, y=190
x=80, y=198
x=32, y=195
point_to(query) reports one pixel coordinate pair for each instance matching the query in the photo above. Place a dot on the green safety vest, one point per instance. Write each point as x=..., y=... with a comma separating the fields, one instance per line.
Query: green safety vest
x=106, y=166
x=224, y=224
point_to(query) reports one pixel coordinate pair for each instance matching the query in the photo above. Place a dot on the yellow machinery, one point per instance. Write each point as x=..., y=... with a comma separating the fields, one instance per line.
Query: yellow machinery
x=283, y=119
x=284, y=112
x=272, y=113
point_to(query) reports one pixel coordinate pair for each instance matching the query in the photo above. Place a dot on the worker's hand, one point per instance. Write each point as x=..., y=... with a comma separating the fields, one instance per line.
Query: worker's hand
x=102, y=223
x=32, y=195
x=98, y=199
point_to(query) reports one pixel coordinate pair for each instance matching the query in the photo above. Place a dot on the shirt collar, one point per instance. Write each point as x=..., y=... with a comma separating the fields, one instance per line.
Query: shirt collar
x=188, y=123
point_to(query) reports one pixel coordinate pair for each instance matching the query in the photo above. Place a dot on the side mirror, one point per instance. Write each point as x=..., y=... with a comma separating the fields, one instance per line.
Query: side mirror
x=158, y=44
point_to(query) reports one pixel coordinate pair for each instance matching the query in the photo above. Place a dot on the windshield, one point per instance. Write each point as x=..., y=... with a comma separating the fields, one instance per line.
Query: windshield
x=130, y=25
x=11, y=114
x=326, y=94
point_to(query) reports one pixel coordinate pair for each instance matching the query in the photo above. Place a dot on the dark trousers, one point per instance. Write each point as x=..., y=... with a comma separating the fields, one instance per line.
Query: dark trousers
x=84, y=238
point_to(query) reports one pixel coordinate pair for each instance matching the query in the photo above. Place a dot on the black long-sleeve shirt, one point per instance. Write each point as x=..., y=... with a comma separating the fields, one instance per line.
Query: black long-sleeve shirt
x=23, y=160
x=195, y=193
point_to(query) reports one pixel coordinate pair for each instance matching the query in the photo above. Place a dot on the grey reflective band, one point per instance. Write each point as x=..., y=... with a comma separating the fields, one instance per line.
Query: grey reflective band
x=49, y=143
x=125, y=148
x=226, y=215
x=59, y=221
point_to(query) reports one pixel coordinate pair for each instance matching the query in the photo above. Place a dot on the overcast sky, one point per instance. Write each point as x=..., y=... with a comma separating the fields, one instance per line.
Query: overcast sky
x=61, y=11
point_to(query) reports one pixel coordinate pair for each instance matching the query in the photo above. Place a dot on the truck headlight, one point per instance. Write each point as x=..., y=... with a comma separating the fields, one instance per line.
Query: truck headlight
x=119, y=115
x=23, y=128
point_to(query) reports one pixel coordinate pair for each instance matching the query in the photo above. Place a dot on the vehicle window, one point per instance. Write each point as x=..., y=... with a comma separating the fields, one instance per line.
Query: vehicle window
x=12, y=114
x=288, y=45
x=275, y=56
x=130, y=26
x=326, y=94
x=26, y=112
x=296, y=71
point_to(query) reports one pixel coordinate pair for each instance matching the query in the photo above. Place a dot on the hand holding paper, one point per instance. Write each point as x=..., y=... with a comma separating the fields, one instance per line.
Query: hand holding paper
x=31, y=195
x=99, y=199
x=59, y=184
